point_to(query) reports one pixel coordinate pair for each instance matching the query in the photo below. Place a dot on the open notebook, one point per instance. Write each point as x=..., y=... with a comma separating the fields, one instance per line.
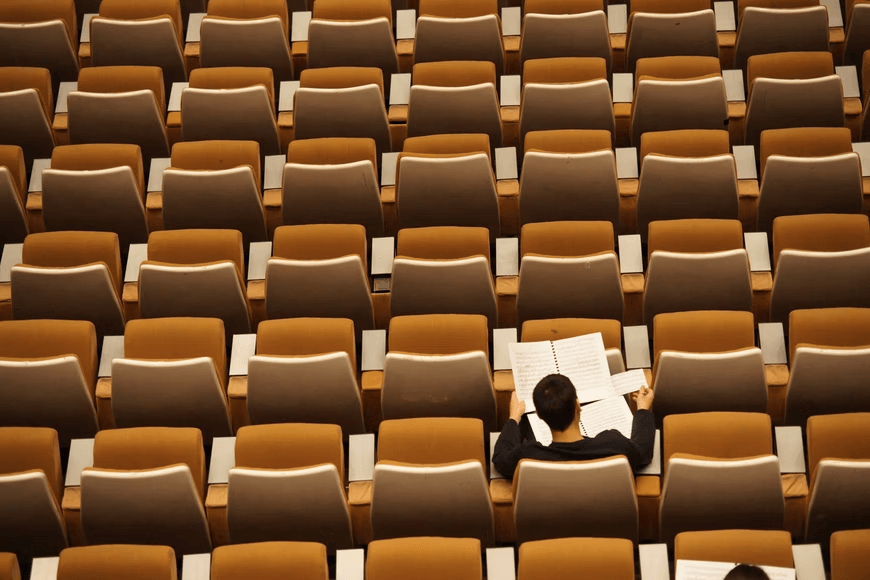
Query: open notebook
x=609, y=413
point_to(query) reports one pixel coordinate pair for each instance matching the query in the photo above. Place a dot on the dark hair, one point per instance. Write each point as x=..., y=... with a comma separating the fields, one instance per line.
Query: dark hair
x=555, y=399
x=746, y=572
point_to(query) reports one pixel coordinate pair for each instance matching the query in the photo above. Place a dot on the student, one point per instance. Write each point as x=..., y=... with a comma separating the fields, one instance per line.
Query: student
x=556, y=402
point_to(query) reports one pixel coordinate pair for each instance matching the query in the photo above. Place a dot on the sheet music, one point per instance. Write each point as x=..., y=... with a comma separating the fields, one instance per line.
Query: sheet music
x=531, y=362
x=540, y=429
x=628, y=382
x=582, y=359
x=699, y=570
x=610, y=413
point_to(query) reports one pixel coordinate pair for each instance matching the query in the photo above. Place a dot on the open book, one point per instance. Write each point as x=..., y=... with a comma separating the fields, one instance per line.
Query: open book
x=700, y=570
x=609, y=413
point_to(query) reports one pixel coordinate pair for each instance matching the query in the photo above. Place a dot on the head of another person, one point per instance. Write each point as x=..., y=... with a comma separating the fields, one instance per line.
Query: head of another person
x=746, y=572
x=555, y=399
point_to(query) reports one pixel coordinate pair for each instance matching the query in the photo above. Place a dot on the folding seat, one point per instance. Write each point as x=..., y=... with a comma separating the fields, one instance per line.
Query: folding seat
x=775, y=80
x=447, y=180
x=720, y=474
x=70, y=276
x=120, y=104
x=686, y=174
x=838, y=462
x=173, y=374
x=819, y=261
x=558, y=328
x=96, y=187
x=27, y=110
x=31, y=483
x=195, y=273
x=235, y=103
x=145, y=33
x=320, y=271
x=427, y=558
x=333, y=180
x=678, y=92
x=117, y=561
x=288, y=485
x=454, y=97
x=758, y=547
x=770, y=26
x=554, y=28
x=707, y=361
x=673, y=28
x=215, y=184
x=430, y=479
x=568, y=269
x=857, y=32
x=438, y=366
x=13, y=194
x=342, y=102
x=848, y=554
x=9, y=566
x=569, y=174
x=808, y=170
x=48, y=370
x=40, y=33
x=565, y=93
x=547, y=506
x=830, y=362
x=459, y=30
x=270, y=561
x=429, y=262
x=146, y=486
x=305, y=370
x=696, y=264
x=242, y=33
x=567, y=558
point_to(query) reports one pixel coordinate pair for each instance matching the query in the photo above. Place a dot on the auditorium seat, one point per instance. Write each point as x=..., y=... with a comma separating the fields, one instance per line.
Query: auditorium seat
x=173, y=374
x=70, y=276
x=568, y=269
x=305, y=370
x=459, y=30
x=849, y=554
x=430, y=479
x=146, y=486
x=13, y=194
x=27, y=111
x=195, y=273
x=31, y=525
x=838, y=462
x=547, y=505
x=819, y=261
x=770, y=26
x=215, y=184
x=720, y=474
x=857, y=32
x=48, y=370
x=424, y=558
x=270, y=561
x=696, y=264
x=40, y=33
x=447, y=180
x=757, y=547
x=288, y=485
x=133, y=562
x=443, y=270
x=438, y=366
x=321, y=271
x=686, y=174
x=333, y=180
x=569, y=558
x=808, y=170
x=96, y=187
x=559, y=328
x=9, y=566
x=707, y=361
x=555, y=28
x=569, y=174
x=673, y=28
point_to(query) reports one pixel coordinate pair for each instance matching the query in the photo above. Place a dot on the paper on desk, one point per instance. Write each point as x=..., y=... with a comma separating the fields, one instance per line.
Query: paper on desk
x=628, y=382
x=700, y=570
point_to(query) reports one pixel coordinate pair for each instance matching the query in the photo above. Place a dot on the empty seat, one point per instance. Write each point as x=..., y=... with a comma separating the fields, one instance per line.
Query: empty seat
x=215, y=184
x=48, y=370
x=558, y=328
x=270, y=561
x=13, y=194
x=675, y=28
x=70, y=276
x=857, y=32
x=459, y=30
x=27, y=110
x=848, y=551
x=289, y=473
x=554, y=28
x=769, y=26
x=31, y=479
x=96, y=187
x=40, y=33
x=9, y=566
x=147, y=486
x=757, y=547
x=426, y=558
x=117, y=561
x=567, y=558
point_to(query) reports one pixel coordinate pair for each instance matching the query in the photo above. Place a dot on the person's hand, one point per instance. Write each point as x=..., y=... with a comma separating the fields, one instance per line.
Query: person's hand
x=518, y=408
x=644, y=398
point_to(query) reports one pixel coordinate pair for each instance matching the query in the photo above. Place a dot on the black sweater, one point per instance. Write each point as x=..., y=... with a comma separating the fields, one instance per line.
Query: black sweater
x=510, y=447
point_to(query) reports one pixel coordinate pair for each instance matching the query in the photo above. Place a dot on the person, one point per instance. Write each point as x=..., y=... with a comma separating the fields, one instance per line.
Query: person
x=746, y=572
x=555, y=399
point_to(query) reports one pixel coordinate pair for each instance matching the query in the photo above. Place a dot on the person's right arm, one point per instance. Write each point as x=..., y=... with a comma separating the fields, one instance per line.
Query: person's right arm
x=509, y=447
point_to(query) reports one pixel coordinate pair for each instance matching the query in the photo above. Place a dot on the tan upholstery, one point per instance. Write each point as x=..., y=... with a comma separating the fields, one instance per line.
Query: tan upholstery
x=425, y=558
x=270, y=561
x=119, y=79
x=424, y=441
x=119, y=10
x=434, y=334
x=703, y=331
x=289, y=446
x=25, y=11
x=344, y=10
x=560, y=28
x=563, y=6
x=672, y=28
x=45, y=33
x=230, y=77
x=69, y=249
x=762, y=27
x=341, y=78
x=804, y=142
x=27, y=107
x=685, y=143
x=13, y=192
x=17, y=78
x=32, y=448
x=197, y=247
x=669, y=7
x=566, y=238
x=117, y=561
x=721, y=435
x=568, y=141
x=564, y=70
x=451, y=144
x=820, y=233
x=9, y=566
x=758, y=547
x=332, y=151
x=567, y=557
x=828, y=327
x=451, y=30
x=453, y=73
x=177, y=338
x=306, y=336
x=217, y=155
x=848, y=551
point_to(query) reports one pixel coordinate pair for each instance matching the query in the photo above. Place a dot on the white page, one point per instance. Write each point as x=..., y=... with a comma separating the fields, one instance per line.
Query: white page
x=582, y=359
x=530, y=362
x=610, y=413
x=540, y=429
x=628, y=382
x=699, y=570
